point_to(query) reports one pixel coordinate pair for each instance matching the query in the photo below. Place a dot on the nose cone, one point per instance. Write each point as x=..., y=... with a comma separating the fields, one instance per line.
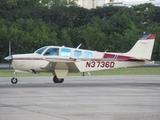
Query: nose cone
x=8, y=58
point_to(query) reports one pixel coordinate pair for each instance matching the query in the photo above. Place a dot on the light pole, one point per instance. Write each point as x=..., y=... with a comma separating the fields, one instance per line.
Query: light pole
x=9, y=52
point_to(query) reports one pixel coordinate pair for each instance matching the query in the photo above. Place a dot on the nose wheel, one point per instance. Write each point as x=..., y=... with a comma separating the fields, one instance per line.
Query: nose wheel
x=14, y=80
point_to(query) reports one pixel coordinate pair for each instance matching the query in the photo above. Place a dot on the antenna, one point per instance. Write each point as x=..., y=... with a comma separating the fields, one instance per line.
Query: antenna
x=106, y=50
x=79, y=46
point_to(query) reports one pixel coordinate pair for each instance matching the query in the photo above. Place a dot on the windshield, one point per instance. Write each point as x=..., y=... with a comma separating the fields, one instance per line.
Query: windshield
x=40, y=50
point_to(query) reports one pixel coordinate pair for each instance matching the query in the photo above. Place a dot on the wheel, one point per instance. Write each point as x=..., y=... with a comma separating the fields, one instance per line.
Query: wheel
x=14, y=80
x=57, y=80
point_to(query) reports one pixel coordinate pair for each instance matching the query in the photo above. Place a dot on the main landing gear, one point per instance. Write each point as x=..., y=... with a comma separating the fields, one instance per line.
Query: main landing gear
x=14, y=80
x=58, y=80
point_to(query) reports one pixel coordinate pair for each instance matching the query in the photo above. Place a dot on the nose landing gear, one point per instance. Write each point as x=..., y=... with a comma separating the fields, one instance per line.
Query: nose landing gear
x=14, y=80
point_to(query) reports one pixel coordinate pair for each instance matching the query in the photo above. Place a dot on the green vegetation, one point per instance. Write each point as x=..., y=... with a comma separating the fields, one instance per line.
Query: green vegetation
x=29, y=24
x=122, y=71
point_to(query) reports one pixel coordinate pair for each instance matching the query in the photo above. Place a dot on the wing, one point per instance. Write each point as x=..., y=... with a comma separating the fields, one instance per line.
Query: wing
x=64, y=61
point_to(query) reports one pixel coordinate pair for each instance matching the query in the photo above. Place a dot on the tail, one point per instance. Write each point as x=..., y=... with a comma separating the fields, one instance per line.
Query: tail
x=143, y=47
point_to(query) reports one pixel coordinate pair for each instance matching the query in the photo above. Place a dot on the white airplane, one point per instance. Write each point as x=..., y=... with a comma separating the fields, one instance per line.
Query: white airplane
x=61, y=60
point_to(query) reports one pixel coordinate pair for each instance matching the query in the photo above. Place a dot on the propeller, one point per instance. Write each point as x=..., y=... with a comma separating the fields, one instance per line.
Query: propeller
x=9, y=59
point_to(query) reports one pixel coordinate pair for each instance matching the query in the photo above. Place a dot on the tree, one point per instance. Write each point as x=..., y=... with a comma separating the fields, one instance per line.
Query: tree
x=57, y=3
x=118, y=23
x=29, y=24
x=65, y=38
x=154, y=28
x=94, y=38
x=16, y=4
x=155, y=15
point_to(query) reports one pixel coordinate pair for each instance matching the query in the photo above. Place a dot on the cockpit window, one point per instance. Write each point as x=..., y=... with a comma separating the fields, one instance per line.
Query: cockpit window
x=52, y=51
x=40, y=50
x=65, y=52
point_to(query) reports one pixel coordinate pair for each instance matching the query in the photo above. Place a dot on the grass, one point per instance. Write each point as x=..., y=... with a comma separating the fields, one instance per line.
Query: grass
x=122, y=71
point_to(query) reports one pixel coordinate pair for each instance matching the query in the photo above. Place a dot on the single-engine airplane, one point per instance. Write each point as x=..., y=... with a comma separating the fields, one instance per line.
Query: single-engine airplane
x=61, y=60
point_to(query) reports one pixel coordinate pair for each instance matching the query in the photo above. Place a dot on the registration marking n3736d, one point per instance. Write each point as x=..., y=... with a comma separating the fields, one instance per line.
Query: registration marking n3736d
x=100, y=64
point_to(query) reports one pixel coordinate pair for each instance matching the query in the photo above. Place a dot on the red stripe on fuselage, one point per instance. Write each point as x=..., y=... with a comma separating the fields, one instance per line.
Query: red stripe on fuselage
x=122, y=58
x=119, y=57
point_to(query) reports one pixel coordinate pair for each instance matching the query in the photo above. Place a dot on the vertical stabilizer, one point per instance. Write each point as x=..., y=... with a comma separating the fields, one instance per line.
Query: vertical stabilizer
x=143, y=47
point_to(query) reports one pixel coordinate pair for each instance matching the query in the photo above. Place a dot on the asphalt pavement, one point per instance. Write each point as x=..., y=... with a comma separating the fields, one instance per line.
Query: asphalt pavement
x=81, y=98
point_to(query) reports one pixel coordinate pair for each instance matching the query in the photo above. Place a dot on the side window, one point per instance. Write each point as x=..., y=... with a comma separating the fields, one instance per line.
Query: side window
x=52, y=51
x=65, y=52
x=77, y=53
x=88, y=55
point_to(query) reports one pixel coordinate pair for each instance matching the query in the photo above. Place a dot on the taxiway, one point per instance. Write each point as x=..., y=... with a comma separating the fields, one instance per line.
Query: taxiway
x=81, y=98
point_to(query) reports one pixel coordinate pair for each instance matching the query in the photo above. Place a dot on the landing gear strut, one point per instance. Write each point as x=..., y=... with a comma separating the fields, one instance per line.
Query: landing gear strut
x=57, y=80
x=14, y=80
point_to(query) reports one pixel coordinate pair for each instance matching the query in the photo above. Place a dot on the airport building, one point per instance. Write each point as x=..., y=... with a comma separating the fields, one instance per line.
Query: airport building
x=95, y=3
x=89, y=4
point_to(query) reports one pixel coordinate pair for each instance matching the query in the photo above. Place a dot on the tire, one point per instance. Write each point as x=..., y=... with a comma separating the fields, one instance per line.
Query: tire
x=14, y=80
x=58, y=80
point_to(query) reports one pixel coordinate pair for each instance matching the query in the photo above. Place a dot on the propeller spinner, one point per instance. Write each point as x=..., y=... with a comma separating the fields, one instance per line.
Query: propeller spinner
x=8, y=58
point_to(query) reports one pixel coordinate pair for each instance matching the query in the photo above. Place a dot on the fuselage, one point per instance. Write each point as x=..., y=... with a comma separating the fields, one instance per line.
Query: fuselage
x=39, y=59
x=76, y=60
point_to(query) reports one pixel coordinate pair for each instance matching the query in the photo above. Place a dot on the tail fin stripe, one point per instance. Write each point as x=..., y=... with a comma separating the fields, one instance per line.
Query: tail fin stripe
x=147, y=36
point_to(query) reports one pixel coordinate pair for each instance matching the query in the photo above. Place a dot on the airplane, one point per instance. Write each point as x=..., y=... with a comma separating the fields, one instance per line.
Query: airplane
x=60, y=60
